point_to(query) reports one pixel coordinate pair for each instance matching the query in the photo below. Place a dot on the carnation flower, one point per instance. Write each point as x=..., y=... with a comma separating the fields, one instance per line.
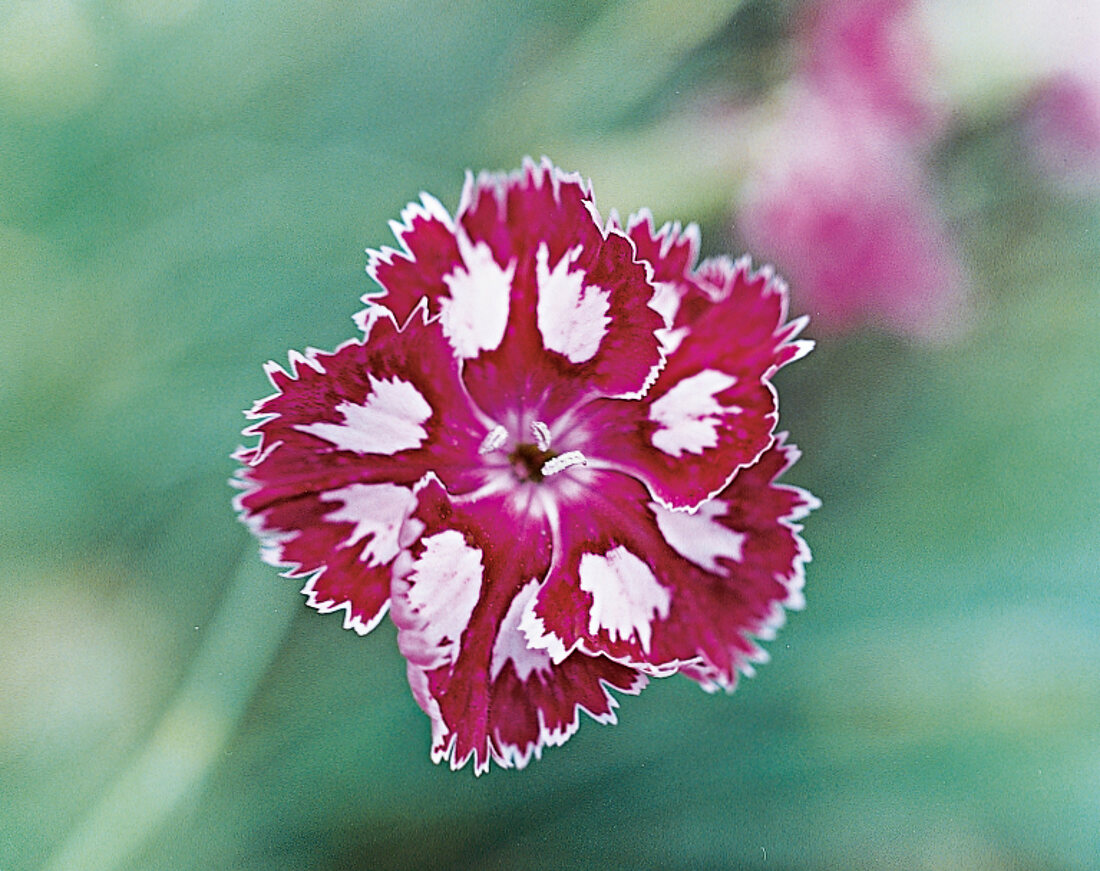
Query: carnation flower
x=551, y=456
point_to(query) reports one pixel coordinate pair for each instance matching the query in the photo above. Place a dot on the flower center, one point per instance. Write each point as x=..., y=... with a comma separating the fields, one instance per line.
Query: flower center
x=532, y=461
x=529, y=461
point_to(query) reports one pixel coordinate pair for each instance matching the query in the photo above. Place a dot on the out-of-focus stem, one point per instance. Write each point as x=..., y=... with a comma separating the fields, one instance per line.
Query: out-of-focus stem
x=239, y=645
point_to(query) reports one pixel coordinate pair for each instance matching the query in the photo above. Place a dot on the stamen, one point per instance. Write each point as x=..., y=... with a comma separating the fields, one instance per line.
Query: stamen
x=542, y=435
x=496, y=437
x=562, y=462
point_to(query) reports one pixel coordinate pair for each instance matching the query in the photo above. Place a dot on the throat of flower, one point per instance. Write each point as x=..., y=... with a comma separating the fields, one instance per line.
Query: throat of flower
x=533, y=463
x=528, y=461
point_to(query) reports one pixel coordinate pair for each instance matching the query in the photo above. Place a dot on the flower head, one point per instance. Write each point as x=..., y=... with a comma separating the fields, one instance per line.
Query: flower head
x=551, y=456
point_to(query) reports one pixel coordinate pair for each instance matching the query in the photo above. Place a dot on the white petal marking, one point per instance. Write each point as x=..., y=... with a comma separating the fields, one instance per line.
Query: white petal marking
x=511, y=642
x=665, y=301
x=445, y=586
x=689, y=414
x=698, y=538
x=625, y=594
x=572, y=317
x=378, y=510
x=475, y=315
x=388, y=420
x=671, y=339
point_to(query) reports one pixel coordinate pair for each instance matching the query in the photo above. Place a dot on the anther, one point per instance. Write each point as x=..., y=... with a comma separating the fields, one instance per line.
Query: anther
x=542, y=435
x=497, y=436
x=562, y=462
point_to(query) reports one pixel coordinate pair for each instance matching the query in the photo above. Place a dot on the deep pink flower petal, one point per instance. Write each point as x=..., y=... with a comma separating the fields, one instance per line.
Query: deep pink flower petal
x=343, y=542
x=458, y=598
x=672, y=250
x=768, y=513
x=712, y=410
x=421, y=268
x=578, y=321
x=328, y=486
x=388, y=409
x=663, y=590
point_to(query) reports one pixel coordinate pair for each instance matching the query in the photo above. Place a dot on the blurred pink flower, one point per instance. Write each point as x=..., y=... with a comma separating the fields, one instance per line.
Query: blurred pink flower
x=871, y=53
x=839, y=195
x=1061, y=126
x=848, y=211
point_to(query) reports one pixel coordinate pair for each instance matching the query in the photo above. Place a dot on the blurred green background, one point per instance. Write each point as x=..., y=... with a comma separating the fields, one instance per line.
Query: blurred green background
x=186, y=190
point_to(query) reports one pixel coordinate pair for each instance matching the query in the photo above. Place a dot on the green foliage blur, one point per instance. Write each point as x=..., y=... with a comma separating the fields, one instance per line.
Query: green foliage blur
x=186, y=191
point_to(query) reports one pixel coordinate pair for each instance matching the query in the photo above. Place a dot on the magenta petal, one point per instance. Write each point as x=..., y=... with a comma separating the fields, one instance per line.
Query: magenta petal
x=1061, y=129
x=672, y=251
x=328, y=486
x=518, y=213
x=613, y=577
x=773, y=553
x=389, y=409
x=428, y=254
x=458, y=599
x=712, y=410
x=579, y=323
x=343, y=540
x=662, y=590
